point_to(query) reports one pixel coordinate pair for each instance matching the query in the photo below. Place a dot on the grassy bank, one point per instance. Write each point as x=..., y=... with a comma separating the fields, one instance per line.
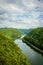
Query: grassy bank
x=11, y=33
x=10, y=54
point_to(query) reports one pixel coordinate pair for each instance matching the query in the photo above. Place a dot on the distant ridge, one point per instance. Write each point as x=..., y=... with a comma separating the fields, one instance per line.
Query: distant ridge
x=25, y=31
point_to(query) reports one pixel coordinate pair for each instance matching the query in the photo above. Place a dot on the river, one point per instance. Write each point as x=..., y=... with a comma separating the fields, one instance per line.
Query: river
x=34, y=57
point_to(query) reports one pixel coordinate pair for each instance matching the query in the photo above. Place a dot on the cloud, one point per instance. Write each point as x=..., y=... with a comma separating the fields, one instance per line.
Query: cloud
x=21, y=13
x=13, y=25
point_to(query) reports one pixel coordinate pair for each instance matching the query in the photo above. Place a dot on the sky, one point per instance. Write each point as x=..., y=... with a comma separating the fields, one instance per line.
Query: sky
x=23, y=14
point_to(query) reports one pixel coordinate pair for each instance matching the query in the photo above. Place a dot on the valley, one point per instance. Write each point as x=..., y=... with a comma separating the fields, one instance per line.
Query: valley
x=21, y=46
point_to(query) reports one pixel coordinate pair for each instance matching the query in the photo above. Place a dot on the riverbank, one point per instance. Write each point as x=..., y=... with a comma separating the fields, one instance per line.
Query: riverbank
x=32, y=46
x=32, y=56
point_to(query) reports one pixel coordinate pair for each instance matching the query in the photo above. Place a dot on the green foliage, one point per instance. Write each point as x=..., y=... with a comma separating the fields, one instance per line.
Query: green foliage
x=10, y=54
x=36, y=37
x=11, y=33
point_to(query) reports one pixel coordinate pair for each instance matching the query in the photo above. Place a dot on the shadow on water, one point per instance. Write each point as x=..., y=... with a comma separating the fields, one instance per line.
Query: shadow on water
x=27, y=43
x=32, y=55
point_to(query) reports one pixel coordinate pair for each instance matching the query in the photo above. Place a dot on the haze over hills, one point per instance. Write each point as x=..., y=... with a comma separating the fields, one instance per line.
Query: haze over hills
x=25, y=31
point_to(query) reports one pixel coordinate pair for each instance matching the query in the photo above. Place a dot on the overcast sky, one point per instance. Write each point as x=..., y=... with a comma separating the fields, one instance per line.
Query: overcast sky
x=21, y=13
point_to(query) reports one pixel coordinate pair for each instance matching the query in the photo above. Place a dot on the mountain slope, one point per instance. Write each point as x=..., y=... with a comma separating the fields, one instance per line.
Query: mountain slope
x=25, y=31
x=10, y=54
x=35, y=38
x=11, y=33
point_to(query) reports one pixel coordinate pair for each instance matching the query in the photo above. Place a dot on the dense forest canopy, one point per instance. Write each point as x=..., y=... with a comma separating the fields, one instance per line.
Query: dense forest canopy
x=35, y=37
x=11, y=33
x=10, y=54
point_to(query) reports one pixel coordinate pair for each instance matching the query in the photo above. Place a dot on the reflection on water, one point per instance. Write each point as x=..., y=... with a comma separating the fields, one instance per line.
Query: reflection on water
x=34, y=57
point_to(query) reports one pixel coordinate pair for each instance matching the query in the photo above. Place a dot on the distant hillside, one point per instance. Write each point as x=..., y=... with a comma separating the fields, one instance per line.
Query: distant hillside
x=10, y=54
x=35, y=37
x=11, y=33
x=25, y=31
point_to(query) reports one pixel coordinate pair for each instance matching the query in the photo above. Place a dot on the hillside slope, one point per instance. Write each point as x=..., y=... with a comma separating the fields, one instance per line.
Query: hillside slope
x=11, y=33
x=35, y=38
x=10, y=54
x=25, y=31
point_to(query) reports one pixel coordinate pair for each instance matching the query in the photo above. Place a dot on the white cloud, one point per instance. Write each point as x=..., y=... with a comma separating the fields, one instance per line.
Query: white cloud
x=13, y=25
x=11, y=7
x=14, y=8
x=35, y=14
x=30, y=4
x=42, y=21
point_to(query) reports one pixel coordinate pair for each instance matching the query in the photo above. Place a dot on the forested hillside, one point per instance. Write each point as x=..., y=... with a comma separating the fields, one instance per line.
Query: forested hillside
x=10, y=54
x=11, y=33
x=35, y=37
